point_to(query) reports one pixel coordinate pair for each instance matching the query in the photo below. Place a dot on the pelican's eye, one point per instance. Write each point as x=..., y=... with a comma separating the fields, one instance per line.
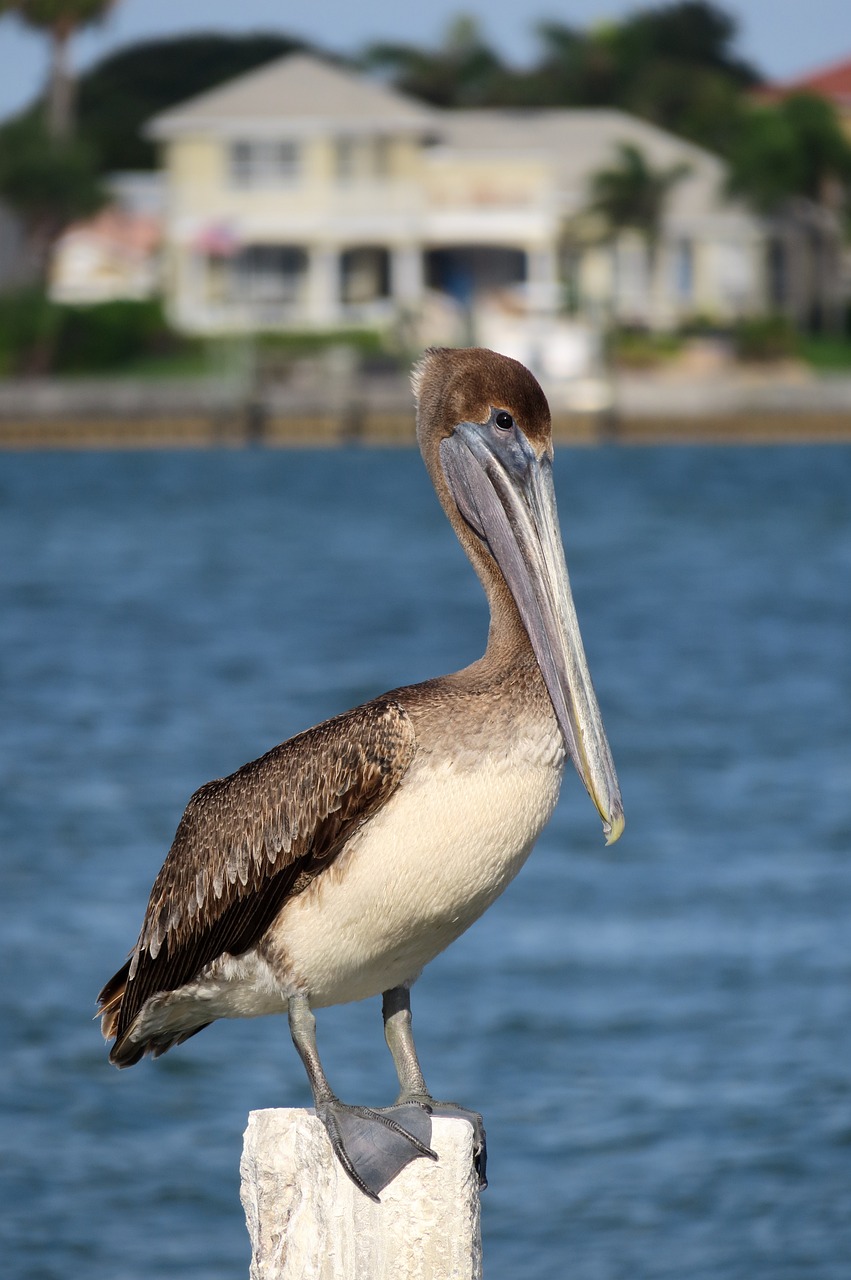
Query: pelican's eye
x=503, y=420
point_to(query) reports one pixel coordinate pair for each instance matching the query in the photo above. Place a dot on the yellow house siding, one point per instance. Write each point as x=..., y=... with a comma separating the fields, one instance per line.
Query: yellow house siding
x=195, y=168
x=313, y=204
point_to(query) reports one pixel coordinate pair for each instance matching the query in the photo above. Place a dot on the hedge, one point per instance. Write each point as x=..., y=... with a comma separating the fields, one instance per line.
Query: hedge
x=40, y=336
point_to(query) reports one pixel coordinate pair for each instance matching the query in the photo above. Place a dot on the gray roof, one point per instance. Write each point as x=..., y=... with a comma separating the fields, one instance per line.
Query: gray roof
x=297, y=93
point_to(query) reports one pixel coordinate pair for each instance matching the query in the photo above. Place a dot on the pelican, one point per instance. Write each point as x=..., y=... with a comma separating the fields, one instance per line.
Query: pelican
x=338, y=864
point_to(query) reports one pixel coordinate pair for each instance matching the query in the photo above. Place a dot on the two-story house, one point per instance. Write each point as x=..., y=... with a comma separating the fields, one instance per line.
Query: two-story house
x=303, y=195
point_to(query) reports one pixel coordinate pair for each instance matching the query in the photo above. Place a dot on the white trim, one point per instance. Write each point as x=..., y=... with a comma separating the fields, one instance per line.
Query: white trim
x=168, y=129
x=489, y=226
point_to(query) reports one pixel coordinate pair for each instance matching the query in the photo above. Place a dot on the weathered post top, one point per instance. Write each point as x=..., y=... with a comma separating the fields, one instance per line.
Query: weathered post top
x=308, y=1221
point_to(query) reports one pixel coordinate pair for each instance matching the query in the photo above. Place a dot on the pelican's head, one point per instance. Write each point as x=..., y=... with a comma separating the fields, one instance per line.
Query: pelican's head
x=483, y=426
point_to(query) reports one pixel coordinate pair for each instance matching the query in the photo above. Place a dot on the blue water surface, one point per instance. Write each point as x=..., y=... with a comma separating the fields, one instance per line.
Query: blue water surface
x=658, y=1034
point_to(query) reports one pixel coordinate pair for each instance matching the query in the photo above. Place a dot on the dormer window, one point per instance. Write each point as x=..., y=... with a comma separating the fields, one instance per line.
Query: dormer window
x=265, y=163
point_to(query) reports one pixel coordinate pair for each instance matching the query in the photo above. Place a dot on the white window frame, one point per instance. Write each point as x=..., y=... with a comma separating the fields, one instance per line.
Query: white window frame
x=264, y=162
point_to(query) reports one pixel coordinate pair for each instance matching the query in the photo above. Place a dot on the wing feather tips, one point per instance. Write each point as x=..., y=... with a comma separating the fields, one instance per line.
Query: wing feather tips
x=109, y=1001
x=109, y=1010
x=126, y=1052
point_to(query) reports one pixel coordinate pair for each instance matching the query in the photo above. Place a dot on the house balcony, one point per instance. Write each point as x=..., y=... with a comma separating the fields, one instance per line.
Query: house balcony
x=377, y=210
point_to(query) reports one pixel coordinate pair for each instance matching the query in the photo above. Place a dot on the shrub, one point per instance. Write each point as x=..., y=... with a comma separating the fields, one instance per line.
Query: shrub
x=765, y=338
x=40, y=336
x=300, y=342
x=638, y=348
x=702, y=325
x=110, y=335
x=28, y=328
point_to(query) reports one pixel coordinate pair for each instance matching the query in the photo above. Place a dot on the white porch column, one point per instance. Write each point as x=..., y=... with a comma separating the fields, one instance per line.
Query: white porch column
x=322, y=294
x=187, y=287
x=597, y=282
x=407, y=277
x=542, y=276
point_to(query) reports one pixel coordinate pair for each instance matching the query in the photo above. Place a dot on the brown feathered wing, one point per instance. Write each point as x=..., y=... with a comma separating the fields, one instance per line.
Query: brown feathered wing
x=246, y=844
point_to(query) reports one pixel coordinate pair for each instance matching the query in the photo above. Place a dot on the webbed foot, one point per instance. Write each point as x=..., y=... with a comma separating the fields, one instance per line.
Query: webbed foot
x=375, y=1146
x=452, y=1111
x=480, y=1140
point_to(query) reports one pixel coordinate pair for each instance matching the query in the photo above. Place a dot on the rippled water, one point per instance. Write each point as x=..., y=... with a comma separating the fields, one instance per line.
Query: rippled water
x=659, y=1034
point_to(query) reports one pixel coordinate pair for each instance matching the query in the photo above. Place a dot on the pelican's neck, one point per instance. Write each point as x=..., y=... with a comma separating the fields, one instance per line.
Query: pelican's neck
x=508, y=643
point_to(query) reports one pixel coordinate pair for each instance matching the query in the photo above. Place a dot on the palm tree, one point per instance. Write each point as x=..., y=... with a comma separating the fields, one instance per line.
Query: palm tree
x=61, y=19
x=632, y=195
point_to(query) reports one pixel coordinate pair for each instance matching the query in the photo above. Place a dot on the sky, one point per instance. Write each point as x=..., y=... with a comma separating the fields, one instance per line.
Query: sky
x=783, y=38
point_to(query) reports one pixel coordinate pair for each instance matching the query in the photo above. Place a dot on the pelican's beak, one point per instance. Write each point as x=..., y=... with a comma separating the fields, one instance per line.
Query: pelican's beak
x=505, y=493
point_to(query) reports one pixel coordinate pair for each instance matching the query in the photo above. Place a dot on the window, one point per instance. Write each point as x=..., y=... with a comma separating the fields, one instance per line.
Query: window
x=271, y=163
x=365, y=275
x=268, y=273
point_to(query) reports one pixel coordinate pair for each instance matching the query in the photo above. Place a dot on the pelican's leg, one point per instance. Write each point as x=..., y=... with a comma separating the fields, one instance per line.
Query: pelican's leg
x=372, y=1146
x=396, y=1011
x=398, y=1032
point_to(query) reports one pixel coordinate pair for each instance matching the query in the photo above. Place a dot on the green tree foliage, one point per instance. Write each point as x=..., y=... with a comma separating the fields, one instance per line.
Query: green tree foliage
x=673, y=64
x=463, y=72
x=697, y=103
x=48, y=181
x=796, y=148
x=632, y=194
x=40, y=336
x=693, y=32
x=60, y=19
x=127, y=88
